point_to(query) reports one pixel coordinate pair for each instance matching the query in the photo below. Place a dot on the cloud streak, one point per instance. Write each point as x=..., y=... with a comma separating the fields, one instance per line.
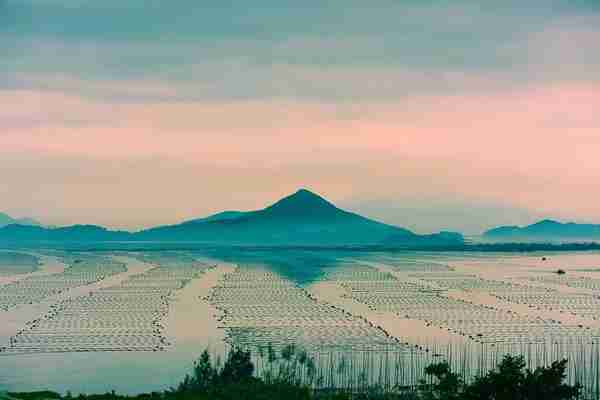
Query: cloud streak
x=532, y=149
x=280, y=49
x=190, y=107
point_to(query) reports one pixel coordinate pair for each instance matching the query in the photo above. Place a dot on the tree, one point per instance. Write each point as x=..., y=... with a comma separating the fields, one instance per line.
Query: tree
x=503, y=383
x=548, y=383
x=238, y=367
x=448, y=384
x=510, y=381
x=204, y=373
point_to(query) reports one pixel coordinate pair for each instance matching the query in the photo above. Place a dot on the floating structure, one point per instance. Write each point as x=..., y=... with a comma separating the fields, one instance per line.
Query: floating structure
x=81, y=271
x=128, y=316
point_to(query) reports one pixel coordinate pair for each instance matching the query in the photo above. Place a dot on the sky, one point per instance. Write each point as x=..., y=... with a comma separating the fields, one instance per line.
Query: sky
x=432, y=115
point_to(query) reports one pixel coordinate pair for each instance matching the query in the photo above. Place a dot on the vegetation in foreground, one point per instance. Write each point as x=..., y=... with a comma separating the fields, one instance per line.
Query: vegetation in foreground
x=235, y=380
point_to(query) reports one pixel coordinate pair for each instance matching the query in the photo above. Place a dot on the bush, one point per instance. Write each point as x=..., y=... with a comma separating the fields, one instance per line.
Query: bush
x=509, y=381
x=235, y=381
x=35, y=395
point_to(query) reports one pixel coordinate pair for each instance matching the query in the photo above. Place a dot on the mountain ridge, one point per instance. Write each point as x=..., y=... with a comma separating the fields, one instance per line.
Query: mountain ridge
x=6, y=219
x=223, y=215
x=291, y=220
x=302, y=218
x=546, y=229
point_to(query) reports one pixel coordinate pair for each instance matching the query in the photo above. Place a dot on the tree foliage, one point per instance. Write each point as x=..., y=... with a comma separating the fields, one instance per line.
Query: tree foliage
x=235, y=380
x=509, y=381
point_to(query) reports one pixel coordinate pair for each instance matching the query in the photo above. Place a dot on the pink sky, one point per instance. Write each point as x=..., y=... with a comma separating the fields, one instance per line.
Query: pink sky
x=455, y=115
x=136, y=164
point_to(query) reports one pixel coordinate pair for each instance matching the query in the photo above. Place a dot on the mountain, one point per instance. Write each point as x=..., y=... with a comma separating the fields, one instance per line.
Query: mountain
x=74, y=233
x=224, y=215
x=546, y=230
x=302, y=218
x=6, y=219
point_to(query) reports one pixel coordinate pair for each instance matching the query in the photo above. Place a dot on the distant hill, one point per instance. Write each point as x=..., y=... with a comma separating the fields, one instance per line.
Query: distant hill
x=74, y=233
x=302, y=218
x=6, y=219
x=222, y=216
x=546, y=230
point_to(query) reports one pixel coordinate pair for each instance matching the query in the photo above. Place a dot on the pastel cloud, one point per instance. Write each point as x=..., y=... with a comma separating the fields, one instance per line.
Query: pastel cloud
x=515, y=149
x=395, y=110
x=279, y=49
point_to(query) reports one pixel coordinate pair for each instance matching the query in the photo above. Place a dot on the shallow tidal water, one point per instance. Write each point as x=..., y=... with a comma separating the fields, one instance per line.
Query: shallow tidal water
x=191, y=324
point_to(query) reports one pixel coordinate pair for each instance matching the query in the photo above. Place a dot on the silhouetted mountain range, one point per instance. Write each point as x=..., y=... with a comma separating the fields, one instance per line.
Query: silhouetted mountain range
x=302, y=218
x=546, y=230
x=6, y=219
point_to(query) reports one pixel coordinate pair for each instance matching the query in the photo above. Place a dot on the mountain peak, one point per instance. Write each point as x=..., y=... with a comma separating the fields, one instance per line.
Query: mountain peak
x=304, y=197
x=306, y=194
x=305, y=191
x=303, y=203
x=548, y=222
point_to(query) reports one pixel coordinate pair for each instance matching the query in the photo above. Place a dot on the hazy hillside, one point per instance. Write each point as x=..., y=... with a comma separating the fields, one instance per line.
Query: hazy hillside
x=546, y=230
x=6, y=219
x=74, y=233
x=301, y=218
x=224, y=215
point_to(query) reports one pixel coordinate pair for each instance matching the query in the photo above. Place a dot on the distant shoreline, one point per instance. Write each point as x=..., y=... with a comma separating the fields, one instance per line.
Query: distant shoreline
x=173, y=246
